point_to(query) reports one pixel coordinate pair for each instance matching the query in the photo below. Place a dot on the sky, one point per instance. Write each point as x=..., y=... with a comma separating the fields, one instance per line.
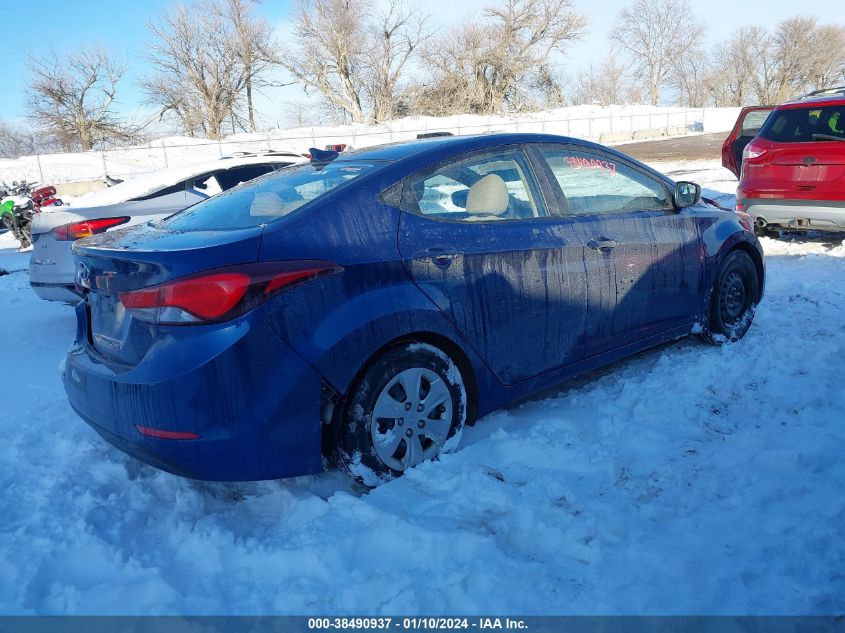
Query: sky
x=121, y=25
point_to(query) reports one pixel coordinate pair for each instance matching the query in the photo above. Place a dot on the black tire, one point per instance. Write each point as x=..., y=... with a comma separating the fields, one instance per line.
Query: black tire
x=356, y=452
x=733, y=300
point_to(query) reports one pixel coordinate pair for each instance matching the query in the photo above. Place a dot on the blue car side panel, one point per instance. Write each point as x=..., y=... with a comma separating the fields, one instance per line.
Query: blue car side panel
x=346, y=338
x=338, y=322
x=516, y=290
x=658, y=270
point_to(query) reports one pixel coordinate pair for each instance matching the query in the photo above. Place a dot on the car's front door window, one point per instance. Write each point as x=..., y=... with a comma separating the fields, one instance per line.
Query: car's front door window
x=594, y=183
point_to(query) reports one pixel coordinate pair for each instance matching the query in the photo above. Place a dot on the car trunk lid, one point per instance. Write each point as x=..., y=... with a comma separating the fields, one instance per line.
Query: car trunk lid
x=124, y=260
x=814, y=170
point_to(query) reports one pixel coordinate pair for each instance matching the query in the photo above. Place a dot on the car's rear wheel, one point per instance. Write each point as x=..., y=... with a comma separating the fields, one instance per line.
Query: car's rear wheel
x=733, y=300
x=408, y=406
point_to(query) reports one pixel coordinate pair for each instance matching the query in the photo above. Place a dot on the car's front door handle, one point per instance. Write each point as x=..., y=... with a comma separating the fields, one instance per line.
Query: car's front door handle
x=602, y=244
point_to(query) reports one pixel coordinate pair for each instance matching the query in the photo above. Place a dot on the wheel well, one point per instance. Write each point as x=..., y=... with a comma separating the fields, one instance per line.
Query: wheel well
x=337, y=402
x=758, y=264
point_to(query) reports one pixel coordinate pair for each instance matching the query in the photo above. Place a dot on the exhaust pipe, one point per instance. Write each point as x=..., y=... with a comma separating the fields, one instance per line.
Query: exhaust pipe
x=760, y=223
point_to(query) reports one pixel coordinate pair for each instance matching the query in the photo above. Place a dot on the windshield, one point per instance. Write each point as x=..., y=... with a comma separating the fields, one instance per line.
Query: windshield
x=266, y=199
x=802, y=125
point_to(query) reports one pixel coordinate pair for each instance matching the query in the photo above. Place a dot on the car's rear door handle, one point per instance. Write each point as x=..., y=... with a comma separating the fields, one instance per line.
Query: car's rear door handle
x=602, y=243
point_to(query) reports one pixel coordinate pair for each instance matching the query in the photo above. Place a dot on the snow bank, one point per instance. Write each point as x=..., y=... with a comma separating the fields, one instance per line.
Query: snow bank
x=686, y=480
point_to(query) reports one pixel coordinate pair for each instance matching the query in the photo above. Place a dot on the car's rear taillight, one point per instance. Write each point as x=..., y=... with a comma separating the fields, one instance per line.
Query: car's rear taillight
x=86, y=228
x=221, y=294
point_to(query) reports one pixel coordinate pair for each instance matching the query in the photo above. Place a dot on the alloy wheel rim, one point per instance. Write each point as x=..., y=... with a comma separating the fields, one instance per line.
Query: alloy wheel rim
x=412, y=418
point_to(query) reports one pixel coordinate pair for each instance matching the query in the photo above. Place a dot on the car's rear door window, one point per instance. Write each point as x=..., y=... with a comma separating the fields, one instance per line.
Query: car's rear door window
x=805, y=125
x=597, y=183
x=267, y=199
x=493, y=185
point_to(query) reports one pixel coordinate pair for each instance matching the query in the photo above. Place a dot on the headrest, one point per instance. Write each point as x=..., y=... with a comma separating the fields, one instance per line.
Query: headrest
x=489, y=196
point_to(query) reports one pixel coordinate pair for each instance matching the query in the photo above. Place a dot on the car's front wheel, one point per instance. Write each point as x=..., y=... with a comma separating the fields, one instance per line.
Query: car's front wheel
x=733, y=300
x=408, y=406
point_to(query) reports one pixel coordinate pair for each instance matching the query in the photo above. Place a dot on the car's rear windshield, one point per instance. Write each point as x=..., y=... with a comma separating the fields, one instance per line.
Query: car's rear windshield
x=266, y=199
x=803, y=125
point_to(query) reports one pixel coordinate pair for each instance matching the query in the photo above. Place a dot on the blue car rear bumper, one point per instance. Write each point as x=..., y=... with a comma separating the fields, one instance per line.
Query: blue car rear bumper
x=253, y=402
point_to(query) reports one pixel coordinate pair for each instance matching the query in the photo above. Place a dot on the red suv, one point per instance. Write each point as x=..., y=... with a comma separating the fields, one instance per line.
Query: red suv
x=792, y=173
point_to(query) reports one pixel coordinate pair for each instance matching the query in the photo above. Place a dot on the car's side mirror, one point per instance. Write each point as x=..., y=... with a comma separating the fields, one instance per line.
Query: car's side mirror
x=686, y=194
x=199, y=184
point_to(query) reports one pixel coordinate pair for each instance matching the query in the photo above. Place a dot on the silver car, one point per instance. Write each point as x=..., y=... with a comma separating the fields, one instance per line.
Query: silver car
x=142, y=199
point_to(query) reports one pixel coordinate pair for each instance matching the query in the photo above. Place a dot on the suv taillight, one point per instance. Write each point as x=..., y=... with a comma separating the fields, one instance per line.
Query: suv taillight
x=220, y=294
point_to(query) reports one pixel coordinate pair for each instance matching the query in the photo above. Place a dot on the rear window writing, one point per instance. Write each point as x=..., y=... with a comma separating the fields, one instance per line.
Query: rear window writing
x=265, y=199
x=582, y=162
x=803, y=125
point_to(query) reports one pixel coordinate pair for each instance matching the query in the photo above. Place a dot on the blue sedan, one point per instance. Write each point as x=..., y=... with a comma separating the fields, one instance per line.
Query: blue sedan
x=358, y=311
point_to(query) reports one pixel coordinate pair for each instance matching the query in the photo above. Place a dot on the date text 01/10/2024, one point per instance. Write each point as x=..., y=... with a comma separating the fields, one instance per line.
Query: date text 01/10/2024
x=429, y=623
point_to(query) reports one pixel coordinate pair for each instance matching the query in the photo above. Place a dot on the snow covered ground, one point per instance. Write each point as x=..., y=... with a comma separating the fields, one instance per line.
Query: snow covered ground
x=686, y=480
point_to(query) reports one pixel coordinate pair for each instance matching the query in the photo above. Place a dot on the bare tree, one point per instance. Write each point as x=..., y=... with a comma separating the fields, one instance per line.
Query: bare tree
x=255, y=45
x=826, y=66
x=604, y=86
x=807, y=55
x=199, y=76
x=488, y=67
x=209, y=57
x=299, y=114
x=329, y=53
x=73, y=97
x=769, y=67
x=731, y=80
x=15, y=141
x=548, y=86
x=689, y=76
x=394, y=38
x=654, y=33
